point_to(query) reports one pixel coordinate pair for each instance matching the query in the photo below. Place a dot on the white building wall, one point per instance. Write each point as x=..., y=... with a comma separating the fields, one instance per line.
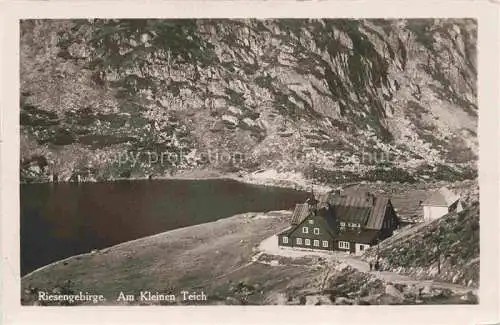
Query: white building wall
x=358, y=250
x=434, y=212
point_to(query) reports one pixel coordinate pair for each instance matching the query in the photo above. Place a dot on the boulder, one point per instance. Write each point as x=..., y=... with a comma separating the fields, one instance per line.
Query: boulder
x=230, y=120
x=343, y=301
x=311, y=300
x=386, y=299
x=469, y=297
x=234, y=110
x=426, y=290
x=249, y=122
x=391, y=290
x=35, y=169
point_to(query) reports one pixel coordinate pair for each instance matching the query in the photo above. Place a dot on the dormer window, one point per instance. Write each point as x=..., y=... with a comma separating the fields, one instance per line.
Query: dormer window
x=342, y=226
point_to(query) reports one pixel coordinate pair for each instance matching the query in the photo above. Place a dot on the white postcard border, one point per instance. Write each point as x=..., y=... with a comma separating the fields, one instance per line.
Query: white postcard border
x=487, y=13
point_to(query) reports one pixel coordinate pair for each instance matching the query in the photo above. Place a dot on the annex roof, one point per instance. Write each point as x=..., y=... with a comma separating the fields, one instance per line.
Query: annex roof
x=301, y=212
x=441, y=197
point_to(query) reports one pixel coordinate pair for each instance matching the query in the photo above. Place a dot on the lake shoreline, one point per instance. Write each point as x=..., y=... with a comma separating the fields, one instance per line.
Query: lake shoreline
x=264, y=177
x=241, y=217
x=152, y=237
x=204, y=196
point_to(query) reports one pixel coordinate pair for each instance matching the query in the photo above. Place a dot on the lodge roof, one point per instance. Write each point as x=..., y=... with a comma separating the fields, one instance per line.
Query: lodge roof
x=377, y=213
x=441, y=197
x=351, y=213
x=366, y=210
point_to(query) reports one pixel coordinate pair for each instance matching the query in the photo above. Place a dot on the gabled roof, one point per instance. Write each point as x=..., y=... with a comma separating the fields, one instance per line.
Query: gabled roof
x=325, y=212
x=441, y=197
x=351, y=213
x=350, y=201
x=378, y=213
x=368, y=211
x=301, y=212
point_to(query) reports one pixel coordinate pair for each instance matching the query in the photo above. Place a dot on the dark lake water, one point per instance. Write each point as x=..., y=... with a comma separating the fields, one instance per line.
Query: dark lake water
x=61, y=220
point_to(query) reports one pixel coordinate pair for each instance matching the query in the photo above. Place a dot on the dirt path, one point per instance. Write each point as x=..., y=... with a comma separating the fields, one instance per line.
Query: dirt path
x=270, y=246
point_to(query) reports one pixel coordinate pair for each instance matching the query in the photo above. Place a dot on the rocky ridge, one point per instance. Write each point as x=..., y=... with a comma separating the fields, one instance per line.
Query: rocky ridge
x=334, y=100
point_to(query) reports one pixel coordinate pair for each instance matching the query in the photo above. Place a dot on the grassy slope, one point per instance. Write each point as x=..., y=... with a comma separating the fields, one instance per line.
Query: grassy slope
x=217, y=258
x=212, y=257
x=413, y=251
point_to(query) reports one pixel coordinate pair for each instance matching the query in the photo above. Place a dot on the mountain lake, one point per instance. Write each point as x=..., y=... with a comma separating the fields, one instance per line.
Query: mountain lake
x=66, y=219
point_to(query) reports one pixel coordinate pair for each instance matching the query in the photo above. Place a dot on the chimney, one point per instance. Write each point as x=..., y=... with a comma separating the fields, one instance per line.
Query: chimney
x=370, y=198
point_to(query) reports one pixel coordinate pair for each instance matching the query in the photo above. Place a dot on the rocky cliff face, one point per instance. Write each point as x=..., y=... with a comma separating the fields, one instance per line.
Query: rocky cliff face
x=446, y=249
x=333, y=99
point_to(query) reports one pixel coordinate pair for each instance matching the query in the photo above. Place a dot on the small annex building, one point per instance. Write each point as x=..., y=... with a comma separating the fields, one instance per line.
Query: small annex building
x=343, y=223
x=440, y=203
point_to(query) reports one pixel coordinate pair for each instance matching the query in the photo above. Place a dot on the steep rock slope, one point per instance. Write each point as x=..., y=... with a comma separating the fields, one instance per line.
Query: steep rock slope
x=343, y=99
x=446, y=249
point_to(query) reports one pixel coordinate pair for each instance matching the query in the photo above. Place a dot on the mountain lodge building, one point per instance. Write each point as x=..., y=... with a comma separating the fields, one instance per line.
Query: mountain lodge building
x=342, y=223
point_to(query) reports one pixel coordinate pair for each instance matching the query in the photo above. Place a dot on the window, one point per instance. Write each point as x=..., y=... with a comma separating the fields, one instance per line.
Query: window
x=361, y=247
x=285, y=240
x=325, y=243
x=316, y=243
x=299, y=241
x=316, y=231
x=305, y=230
x=307, y=242
x=311, y=221
x=344, y=244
